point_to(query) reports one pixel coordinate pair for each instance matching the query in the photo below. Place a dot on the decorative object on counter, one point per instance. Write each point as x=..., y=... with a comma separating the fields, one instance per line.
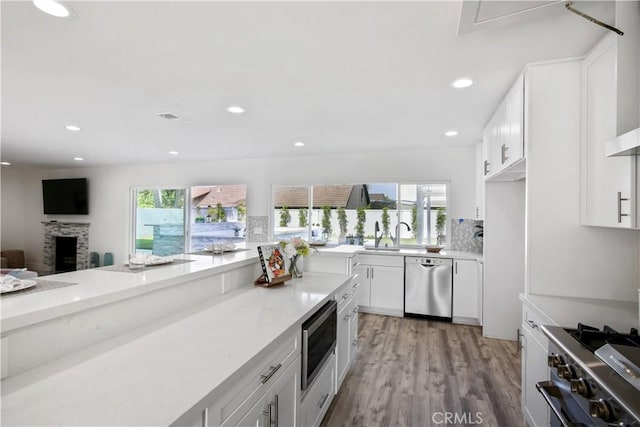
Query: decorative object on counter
x=39, y=286
x=94, y=260
x=434, y=249
x=273, y=266
x=108, y=258
x=137, y=261
x=294, y=249
x=152, y=261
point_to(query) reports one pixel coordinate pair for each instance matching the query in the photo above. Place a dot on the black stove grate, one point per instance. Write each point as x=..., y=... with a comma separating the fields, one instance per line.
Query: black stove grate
x=594, y=338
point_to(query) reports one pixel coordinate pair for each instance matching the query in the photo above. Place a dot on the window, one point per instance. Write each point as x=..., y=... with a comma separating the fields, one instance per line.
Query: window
x=407, y=214
x=218, y=213
x=162, y=219
x=159, y=220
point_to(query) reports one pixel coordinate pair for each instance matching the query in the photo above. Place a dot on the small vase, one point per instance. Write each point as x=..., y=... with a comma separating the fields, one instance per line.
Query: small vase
x=294, y=269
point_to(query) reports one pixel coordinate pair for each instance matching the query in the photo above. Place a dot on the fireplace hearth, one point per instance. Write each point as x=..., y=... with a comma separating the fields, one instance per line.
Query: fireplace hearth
x=72, y=238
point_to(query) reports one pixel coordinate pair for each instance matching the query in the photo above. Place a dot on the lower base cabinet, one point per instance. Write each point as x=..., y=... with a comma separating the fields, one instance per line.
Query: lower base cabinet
x=535, y=347
x=278, y=405
x=315, y=403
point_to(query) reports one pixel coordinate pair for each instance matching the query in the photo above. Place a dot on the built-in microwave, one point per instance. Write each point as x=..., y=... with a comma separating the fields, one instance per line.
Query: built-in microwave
x=318, y=341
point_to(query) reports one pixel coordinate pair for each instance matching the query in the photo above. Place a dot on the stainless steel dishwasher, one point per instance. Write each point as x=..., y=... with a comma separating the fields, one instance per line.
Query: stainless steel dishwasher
x=428, y=287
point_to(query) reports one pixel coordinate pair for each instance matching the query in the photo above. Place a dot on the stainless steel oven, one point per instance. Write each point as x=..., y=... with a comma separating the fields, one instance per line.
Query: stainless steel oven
x=318, y=341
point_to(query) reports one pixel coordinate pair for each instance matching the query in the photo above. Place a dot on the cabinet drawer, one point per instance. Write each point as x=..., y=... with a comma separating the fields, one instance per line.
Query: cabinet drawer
x=315, y=403
x=532, y=320
x=385, y=260
x=261, y=374
x=344, y=294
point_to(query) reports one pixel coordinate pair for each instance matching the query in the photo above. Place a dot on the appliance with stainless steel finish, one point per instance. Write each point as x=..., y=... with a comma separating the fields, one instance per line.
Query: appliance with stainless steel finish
x=593, y=377
x=428, y=287
x=318, y=341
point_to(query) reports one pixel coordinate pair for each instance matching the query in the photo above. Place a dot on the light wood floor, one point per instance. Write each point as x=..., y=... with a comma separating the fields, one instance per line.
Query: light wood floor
x=410, y=372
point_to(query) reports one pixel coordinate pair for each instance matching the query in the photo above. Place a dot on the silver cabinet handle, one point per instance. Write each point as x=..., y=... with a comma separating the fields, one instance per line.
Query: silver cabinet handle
x=532, y=324
x=345, y=297
x=486, y=167
x=323, y=400
x=355, y=310
x=354, y=343
x=620, y=200
x=504, y=149
x=347, y=317
x=355, y=265
x=273, y=370
x=356, y=286
x=367, y=272
x=477, y=212
x=456, y=267
x=372, y=272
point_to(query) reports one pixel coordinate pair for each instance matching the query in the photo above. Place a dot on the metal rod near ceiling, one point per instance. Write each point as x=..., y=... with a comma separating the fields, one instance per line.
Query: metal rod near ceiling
x=570, y=8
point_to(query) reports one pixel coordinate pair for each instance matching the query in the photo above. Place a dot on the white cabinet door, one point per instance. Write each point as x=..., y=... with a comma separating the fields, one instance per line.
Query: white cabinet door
x=534, y=370
x=343, y=342
x=282, y=398
x=479, y=208
x=324, y=263
x=387, y=287
x=513, y=138
x=607, y=187
x=466, y=292
x=364, y=289
x=315, y=403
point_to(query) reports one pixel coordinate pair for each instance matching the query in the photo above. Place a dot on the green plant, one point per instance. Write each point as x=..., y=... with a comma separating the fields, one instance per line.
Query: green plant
x=218, y=213
x=414, y=221
x=302, y=218
x=361, y=217
x=326, y=220
x=342, y=221
x=285, y=216
x=386, y=221
x=242, y=212
x=441, y=220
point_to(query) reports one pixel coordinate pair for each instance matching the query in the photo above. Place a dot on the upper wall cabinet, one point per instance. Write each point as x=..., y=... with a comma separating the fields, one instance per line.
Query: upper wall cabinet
x=608, y=184
x=503, y=138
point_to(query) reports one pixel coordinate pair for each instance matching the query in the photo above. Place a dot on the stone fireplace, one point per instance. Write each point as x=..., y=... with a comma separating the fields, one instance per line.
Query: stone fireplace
x=64, y=233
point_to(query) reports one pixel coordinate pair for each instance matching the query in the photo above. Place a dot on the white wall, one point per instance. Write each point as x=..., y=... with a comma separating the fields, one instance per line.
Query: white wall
x=109, y=187
x=12, y=208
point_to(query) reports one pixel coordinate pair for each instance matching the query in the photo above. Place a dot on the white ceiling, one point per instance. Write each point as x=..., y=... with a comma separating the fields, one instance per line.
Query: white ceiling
x=340, y=76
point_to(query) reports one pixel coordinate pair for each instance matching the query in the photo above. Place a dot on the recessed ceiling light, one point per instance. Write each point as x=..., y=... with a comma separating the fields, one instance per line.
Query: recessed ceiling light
x=451, y=133
x=5, y=163
x=299, y=144
x=78, y=159
x=173, y=153
x=235, y=109
x=53, y=8
x=73, y=128
x=462, y=83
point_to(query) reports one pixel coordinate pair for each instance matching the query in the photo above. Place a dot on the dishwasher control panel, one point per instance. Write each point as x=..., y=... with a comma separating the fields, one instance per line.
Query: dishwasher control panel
x=428, y=261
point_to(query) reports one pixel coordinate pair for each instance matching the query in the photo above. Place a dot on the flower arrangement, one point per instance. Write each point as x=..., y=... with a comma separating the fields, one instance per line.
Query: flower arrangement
x=293, y=249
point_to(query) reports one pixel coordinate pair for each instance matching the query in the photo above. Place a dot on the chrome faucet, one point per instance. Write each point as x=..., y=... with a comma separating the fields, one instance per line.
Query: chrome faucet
x=396, y=238
x=375, y=235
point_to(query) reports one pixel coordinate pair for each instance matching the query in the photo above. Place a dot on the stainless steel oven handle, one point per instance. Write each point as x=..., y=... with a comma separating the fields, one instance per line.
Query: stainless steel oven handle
x=547, y=390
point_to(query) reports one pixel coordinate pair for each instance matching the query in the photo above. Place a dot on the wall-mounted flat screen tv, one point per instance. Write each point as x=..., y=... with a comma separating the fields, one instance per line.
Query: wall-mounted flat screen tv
x=65, y=196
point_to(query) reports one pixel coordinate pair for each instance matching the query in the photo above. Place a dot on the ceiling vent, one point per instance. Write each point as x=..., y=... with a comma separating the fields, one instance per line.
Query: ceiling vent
x=167, y=116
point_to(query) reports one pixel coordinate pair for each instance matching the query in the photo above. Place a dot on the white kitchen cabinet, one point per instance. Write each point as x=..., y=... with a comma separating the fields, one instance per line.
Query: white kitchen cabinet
x=383, y=277
x=328, y=263
x=534, y=369
x=479, y=208
x=316, y=401
x=608, y=184
x=503, y=138
x=264, y=378
x=347, y=329
x=467, y=292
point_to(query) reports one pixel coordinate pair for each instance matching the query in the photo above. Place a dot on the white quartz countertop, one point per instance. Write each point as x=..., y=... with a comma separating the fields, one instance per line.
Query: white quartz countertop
x=346, y=250
x=153, y=377
x=96, y=287
x=567, y=312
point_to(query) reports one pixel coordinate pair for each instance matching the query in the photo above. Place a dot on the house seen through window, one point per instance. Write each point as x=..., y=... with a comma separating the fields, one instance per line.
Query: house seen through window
x=406, y=214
